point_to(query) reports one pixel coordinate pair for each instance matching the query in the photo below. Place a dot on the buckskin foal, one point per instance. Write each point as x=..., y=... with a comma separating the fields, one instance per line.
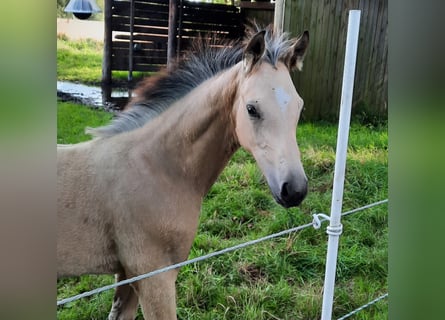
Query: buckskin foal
x=129, y=200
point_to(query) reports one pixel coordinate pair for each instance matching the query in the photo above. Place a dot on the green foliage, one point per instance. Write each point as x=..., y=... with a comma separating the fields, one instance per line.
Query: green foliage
x=282, y=278
x=61, y=4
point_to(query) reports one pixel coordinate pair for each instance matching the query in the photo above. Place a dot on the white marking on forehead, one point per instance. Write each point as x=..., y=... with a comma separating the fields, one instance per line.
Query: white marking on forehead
x=283, y=98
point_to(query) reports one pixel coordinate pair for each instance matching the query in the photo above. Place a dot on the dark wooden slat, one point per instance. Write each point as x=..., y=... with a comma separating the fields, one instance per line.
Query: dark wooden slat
x=155, y=12
x=123, y=66
x=154, y=31
x=162, y=2
x=206, y=11
x=257, y=5
x=209, y=27
x=209, y=34
x=210, y=6
x=138, y=59
x=125, y=12
x=157, y=56
x=144, y=18
x=125, y=27
x=141, y=39
x=186, y=44
x=141, y=4
x=151, y=21
x=144, y=37
x=208, y=18
x=143, y=49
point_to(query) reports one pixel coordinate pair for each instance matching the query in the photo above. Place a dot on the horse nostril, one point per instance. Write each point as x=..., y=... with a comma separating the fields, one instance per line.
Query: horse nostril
x=292, y=196
x=284, y=191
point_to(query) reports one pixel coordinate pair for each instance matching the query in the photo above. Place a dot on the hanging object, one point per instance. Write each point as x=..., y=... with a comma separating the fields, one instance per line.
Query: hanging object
x=82, y=9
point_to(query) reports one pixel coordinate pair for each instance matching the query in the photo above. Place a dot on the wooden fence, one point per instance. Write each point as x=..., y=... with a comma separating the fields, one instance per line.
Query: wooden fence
x=320, y=82
x=136, y=32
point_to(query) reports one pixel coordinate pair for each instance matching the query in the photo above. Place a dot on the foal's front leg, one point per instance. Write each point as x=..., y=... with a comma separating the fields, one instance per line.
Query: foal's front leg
x=125, y=301
x=157, y=296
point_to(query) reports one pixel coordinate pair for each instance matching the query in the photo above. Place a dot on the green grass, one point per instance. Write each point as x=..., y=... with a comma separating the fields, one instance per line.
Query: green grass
x=282, y=278
x=72, y=120
x=81, y=61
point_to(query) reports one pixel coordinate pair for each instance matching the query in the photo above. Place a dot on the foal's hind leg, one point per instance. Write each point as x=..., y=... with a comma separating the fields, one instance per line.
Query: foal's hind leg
x=125, y=301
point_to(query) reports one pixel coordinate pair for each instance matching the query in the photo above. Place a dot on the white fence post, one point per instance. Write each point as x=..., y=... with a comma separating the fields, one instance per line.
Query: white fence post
x=335, y=228
x=278, y=19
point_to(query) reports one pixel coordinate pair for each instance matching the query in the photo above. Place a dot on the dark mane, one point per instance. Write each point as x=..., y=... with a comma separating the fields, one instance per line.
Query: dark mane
x=205, y=59
x=155, y=94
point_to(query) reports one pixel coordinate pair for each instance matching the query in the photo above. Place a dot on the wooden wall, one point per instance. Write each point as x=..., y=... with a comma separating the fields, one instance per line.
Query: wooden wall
x=320, y=82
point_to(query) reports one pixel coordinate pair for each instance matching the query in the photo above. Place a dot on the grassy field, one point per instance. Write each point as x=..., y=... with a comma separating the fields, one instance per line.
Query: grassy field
x=81, y=61
x=278, y=279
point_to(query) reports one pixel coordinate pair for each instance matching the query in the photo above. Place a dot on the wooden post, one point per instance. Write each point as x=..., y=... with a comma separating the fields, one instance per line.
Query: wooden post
x=179, y=29
x=172, y=33
x=130, y=44
x=106, y=61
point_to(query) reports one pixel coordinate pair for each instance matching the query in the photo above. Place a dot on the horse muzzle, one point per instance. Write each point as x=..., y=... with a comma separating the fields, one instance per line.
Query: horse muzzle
x=290, y=193
x=287, y=181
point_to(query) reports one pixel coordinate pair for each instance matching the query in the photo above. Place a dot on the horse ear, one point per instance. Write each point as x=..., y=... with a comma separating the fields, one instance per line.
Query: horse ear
x=298, y=51
x=254, y=51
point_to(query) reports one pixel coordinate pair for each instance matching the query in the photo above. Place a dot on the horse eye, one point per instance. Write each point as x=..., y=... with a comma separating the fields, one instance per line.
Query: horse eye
x=252, y=111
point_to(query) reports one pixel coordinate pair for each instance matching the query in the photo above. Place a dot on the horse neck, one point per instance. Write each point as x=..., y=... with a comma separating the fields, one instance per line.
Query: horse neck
x=198, y=132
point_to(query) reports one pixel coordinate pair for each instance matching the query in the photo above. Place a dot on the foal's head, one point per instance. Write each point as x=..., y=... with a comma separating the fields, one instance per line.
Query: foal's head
x=268, y=109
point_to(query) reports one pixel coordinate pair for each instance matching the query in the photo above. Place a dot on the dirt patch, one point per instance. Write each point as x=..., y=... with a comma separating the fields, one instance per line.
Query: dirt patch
x=252, y=273
x=76, y=29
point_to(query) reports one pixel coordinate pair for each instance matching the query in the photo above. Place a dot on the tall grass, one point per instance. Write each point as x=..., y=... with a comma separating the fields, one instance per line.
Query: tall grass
x=282, y=278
